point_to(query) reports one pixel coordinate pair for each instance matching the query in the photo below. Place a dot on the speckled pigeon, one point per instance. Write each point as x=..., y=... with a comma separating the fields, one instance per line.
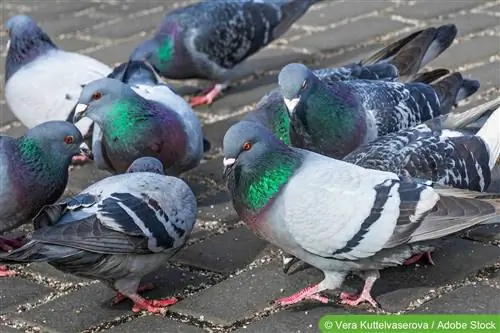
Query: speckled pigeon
x=211, y=39
x=34, y=172
x=335, y=118
x=337, y=216
x=133, y=126
x=400, y=61
x=42, y=81
x=116, y=230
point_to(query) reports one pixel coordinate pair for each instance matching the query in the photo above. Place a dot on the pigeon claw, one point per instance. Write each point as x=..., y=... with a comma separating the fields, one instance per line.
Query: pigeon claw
x=152, y=306
x=354, y=299
x=309, y=293
x=207, y=98
x=9, y=244
x=417, y=257
x=4, y=271
x=119, y=298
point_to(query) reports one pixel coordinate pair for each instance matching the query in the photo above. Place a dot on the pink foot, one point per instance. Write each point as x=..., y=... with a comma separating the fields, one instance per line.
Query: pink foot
x=206, y=97
x=417, y=257
x=4, y=272
x=120, y=297
x=9, y=244
x=153, y=306
x=310, y=292
x=354, y=299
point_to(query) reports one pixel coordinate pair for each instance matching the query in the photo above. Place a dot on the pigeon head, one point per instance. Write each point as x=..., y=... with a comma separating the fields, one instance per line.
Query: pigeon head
x=135, y=72
x=96, y=95
x=27, y=41
x=60, y=139
x=295, y=82
x=146, y=164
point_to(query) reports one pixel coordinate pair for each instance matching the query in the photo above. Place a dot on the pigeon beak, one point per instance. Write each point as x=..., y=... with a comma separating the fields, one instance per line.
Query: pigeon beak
x=79, y=111
x=291, y=103
x=85, y=150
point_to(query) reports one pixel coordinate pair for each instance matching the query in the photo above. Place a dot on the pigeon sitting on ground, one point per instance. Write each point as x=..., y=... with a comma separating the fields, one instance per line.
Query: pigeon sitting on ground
x=210, y=39
x=34, y=173
x=134, y=127
x=42, y=81
x=117, y=231
x=400, y=61
x=453, y=158
x=334, y=119
x=339, y=217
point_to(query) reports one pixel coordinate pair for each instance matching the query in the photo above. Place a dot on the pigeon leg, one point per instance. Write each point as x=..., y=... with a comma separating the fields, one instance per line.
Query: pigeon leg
x=417, y=257
x=120, y=297
x=151, y=305
x=353, y=299
x=208, y=98
x=4, y=271
x=9, y=244
x=332, y=280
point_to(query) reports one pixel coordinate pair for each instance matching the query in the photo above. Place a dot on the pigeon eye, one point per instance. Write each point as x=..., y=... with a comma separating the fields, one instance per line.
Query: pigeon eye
x=247, y=146
x=68, y=139
x=304, y=85
x=97, y=95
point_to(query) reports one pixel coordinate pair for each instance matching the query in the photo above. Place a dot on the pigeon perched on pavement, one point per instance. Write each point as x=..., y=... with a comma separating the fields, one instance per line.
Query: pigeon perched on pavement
x=210, y=39
x=34, y=172
x=334, y=119
x=400, y=61
x=42, y=81
x=336, y=216
x=116, y=230
x=133, y=127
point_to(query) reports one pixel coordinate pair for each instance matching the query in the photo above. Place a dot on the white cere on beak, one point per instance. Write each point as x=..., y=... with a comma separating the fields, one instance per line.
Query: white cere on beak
x=291, y=103
x=227, y=162
x=80, y=108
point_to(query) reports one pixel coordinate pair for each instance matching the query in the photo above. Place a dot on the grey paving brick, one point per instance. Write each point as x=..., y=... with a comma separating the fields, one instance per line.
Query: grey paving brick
x=424, y=9
x=474, y=50
x=154, y=324
x=485, y=233
x=91, y=305
x=129, y=26
x=488, y=75
x=6, y=116
x=469, y=23
x=274, y=58
x=73, y=44
x=7, y=329
x=224, y=253
x=349, y=34
x=118, y=52
x=43, y=11
x=68, y=24
x=120, y=8
x=245, y=294
x=82, y=176
x=16, y=131
x=16, y=291
x=400, y=286
x=44, y=269
x=340, y=10
x=473, y=299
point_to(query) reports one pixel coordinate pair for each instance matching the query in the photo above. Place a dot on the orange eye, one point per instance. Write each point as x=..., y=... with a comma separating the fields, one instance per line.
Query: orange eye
x=68, y=139
x=247, y=145
x=97, y=95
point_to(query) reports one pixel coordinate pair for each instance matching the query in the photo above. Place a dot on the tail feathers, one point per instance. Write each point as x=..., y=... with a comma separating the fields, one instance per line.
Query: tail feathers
x=413, y=52
x=490, y=134
x=452, y=89
x=30, y=252
x=431, y=76
x=454, y=120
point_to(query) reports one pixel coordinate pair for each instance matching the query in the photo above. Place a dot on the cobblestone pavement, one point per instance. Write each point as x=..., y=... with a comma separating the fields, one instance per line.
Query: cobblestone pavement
x=227, y=277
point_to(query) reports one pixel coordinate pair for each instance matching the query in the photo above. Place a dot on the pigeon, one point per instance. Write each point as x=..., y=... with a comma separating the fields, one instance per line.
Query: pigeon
x=453, y=158
x=133, y=126
x=116, y=230
x=34, y=172
x=400, y=61
x=337, y=216
x=33, y=62
x=334, y=119
x=211, y=39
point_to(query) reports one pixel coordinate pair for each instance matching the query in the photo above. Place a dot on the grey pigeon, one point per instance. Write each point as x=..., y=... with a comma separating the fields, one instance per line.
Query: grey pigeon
x=42, y=81
x=335, y=118
x=133, y=126
x=211, y=39
x=340, y=217
x=400, y=61
x=34, y=172
x=117, y=231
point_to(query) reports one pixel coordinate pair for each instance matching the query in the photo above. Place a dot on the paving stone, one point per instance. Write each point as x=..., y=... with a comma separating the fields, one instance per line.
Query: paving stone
x=424, y=9
x=41, y=11
x=400, y=286
x=120, y=8
x=472, y=299
x=340, y=10
x=44, y=269
x=69, y=24
x=485, y=233
x=6, y=116
x=6, y=329
x=91, y=305
x=474, y=50
x=488, y=75
x=73, y=44
x=245, y=294
x=295, y=320
x=274, y=58
x=16, y=131
x=350, y=34
x=16, y=291
x=224, y=253
x=117, y=52
x=129, y=26
x=81, y=177
x=469, y=23
x=154, y=324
